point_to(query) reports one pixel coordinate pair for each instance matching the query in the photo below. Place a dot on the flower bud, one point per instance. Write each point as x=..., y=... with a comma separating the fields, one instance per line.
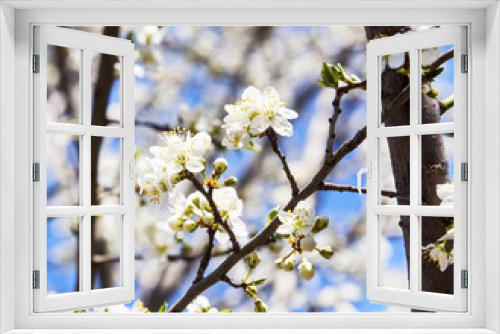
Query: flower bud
x=306, y=270
x=308, y=244
x=252, y=260
x=186, y=249
x=279, y=263
x=176, y=223
x=326, y=252
x=190, y=226
x=260, y=306
x=174, y=178
x=231, y=182
x=251, y=291
x=220, y=165
x=275, y=247
x=289, y=263
x=320, y=224
x=189, y=210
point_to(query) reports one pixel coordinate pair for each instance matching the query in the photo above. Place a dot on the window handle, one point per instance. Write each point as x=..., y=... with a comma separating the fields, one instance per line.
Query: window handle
x=133, y=170
x=365, y=170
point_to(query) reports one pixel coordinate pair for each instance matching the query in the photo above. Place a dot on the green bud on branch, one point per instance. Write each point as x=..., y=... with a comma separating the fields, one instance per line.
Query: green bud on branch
x=326, y=252
x=320, y=224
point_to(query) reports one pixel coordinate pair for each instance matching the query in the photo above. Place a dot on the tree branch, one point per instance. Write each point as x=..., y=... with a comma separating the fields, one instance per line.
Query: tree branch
x=331, y=160
x=205, y=260
x=339, y=93
x=103, y=258
x=217, y=216
x=273, y=139
x=438, y=62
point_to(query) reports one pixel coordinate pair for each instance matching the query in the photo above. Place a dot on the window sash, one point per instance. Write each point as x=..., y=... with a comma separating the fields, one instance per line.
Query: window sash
x=412, y=43
x=86, y=43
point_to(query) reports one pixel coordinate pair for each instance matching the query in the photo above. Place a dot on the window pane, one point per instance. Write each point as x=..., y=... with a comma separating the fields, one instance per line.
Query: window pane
x=105, y=170
x=394, y=77
x=437, y=254
x=105, y=72
x=394, y=182
x=62, y=255
x=63, y=169
x=437, y=169
x=63, y=84
x=393, y=272
x=438, y=91
x=106, y=251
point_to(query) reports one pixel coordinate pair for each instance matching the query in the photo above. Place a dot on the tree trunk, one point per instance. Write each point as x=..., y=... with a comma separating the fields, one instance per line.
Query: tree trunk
x=100, y=99
x=434, y=167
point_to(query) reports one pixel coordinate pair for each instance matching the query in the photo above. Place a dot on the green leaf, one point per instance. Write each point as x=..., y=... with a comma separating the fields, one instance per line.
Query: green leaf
x=330, y=76
x=258, y=281
x=225, y=311
x=270, y=217
x=163, y=308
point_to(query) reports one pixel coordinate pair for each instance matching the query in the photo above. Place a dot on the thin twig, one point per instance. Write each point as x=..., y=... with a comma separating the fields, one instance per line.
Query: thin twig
x=229, y=281
x=151, y=125
x=273, y=139
x=351, y=189
x=205, y=260
x=215, y=211
x=339, y=93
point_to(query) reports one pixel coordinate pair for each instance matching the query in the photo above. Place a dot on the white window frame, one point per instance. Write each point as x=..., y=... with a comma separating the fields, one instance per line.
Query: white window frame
x=85, y=43
x=484, y=26
x=376, y=132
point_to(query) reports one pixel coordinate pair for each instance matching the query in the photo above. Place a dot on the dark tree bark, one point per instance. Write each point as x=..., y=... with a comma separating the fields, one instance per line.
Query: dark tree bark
x=100, y=98
x=434, y=167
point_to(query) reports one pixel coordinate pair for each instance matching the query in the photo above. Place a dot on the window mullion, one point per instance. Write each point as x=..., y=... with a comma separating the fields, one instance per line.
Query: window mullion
x=85, y=235
x=414, y=170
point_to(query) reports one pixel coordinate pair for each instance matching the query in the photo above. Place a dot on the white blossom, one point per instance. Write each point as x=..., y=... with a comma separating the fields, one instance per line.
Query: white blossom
x=274, y=114
x=300, y=220
x=183, y=151
x=236, y=138
x=201, y=305
x=445, y=192
x=442, y=258
x=253, y=114
x=231, y=208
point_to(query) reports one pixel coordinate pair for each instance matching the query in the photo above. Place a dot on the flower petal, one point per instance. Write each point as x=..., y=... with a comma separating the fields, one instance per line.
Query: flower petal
x=259, y=124
x=282, y=126
x=194, y=165
x=288, y=113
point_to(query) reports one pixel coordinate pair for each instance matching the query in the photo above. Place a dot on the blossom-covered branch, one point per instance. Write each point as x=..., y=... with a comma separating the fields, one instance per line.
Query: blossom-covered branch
x=217, y=216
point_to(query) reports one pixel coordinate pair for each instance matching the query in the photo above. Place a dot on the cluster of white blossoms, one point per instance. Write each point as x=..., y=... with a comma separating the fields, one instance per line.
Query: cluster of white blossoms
x=194, y=211
x=179, y=151
x=300, y=226
x=214, y=204
x=439, y=253
x=253, y=114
